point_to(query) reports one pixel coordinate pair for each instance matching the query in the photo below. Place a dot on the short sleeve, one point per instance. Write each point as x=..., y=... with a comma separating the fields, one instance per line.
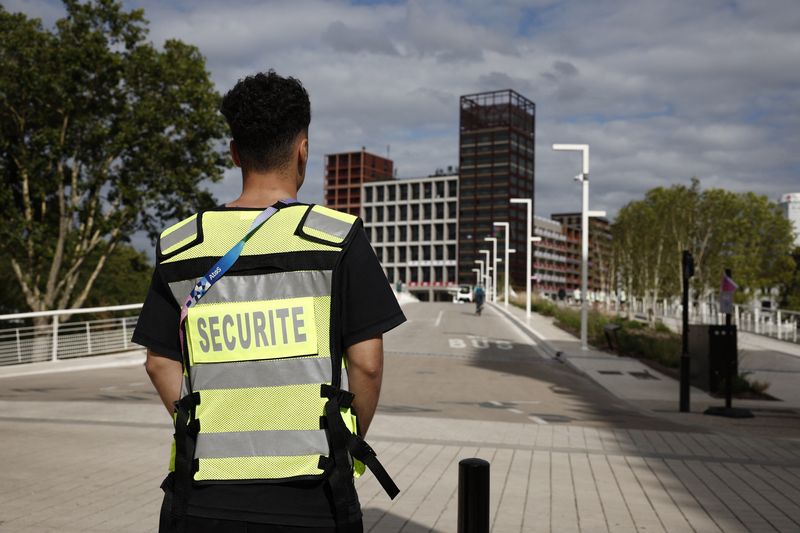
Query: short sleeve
x=369, y=307
x=157, y=327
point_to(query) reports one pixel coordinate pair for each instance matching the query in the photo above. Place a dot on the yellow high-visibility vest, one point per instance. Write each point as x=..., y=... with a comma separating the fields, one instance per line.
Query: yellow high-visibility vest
x=263, y=342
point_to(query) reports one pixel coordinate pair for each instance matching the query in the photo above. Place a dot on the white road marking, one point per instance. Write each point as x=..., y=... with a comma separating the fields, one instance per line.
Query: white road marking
x=496, y=403
x=439, y=319
x=515, y=411
x=457, y=343
x=537, y=420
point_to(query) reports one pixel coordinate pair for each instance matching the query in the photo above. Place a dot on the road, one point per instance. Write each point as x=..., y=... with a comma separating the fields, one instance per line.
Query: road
x=444, y=362
x=85, y=451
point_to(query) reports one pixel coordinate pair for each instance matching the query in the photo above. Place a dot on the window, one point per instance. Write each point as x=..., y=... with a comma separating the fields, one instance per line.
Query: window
x=403, y=233
x=379, y=214
x=390, y=237
x=437, y=273
x=404, y=191
x=451, y=251
x=451, y=273
x=379, y=234
x=390, y=254
x=415, y=253
x=403, y=213
x=451, y=231
x=452, y=189
x=426, y=236
x=414, y=275
x=451, y=209
x=427, y=190
x=415, y=212
x=426, y=274
x=380, y=193
x=427, y=211
x=439, y=189
x=392, y=192
x=439, y=252
x=439, y=210
x=439, y=232
x=390, y=274
x=402, y=254
x=426, y=253
x=414, y=233
x=367, y=214
x=415, y=191
x=368, y=194
x=390, y=216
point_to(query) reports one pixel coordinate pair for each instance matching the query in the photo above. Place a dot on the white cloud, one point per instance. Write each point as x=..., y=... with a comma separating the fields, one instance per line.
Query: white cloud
x=662, y=91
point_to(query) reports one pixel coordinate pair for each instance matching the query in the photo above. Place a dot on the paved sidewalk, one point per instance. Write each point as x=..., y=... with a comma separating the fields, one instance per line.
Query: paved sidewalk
x=96, y=466
x=633, y=381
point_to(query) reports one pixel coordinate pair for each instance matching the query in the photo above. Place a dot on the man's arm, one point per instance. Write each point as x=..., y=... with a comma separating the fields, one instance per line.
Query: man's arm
x=365, y=373
x=166, y=375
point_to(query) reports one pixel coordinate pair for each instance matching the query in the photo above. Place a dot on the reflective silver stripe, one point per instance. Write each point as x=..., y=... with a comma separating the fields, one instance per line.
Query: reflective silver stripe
x=345, y=380
x=330, y=225
x=260, y=287
x=261, y=443
x=273, y=373
x=185, y=231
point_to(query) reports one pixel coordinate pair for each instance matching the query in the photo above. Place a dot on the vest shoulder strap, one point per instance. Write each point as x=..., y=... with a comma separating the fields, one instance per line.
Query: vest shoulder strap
x=326, y=226
x=180, y=236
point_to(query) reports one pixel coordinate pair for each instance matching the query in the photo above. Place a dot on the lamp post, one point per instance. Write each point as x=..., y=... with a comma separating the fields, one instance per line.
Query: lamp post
x=505, y=227
x=483, y=274
x=493, y=240
x=489, y=272
x=585, y=214
x=528, y=235
x=477, y=275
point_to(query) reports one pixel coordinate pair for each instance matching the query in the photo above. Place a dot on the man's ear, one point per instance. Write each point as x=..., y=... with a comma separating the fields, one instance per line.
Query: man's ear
x=304, y=152
x=235, y=153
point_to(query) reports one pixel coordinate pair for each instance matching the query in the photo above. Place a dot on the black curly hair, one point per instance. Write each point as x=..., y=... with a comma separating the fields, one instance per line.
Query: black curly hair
x=266, y=113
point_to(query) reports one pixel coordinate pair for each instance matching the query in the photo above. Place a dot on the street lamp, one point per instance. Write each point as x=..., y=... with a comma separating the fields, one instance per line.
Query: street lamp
x=493, y=240
x=483, y=275
x=489, y=272
x=528, y=235
x=477, y=275
x=505, y=227
x=585, y=214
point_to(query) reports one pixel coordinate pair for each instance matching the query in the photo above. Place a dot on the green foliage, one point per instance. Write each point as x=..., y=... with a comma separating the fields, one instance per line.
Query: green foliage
x=101, y=135
x=745, y=232
x=124, y=280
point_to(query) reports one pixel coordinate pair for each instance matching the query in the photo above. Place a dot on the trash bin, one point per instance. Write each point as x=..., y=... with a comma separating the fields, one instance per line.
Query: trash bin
x=709, y=349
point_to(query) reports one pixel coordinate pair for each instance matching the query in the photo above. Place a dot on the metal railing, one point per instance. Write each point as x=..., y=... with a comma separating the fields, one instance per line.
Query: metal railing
x=21, y=343
x=780, y=324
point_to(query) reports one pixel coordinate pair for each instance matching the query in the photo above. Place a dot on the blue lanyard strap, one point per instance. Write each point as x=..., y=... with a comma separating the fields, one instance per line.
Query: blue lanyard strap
x=225, y=263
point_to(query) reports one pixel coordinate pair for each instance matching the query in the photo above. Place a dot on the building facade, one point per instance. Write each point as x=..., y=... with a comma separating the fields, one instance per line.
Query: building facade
x=550, y=257
x=791, y=208
x=413, y=227
x=599, y=252
x=346, y=172
x=496, y=163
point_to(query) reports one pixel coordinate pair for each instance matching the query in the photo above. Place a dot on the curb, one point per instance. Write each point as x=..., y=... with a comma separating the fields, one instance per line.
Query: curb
x=55, y=368
x=549, y=350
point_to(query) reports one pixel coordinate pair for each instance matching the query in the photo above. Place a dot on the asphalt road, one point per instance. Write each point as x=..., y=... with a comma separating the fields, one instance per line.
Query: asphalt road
x=443, y=362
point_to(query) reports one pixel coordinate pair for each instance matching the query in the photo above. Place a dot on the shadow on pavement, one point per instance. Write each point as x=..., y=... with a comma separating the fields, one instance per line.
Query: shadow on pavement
x=377, y=520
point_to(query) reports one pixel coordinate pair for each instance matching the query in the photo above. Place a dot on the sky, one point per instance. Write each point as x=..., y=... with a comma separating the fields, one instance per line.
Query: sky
x=661, y=90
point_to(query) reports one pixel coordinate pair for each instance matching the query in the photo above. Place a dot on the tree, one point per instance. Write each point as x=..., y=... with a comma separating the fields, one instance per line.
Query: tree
x=745, y=232
x=101, y=135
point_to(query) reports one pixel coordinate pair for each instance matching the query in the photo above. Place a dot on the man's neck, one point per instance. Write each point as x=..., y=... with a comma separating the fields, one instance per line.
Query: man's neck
x=264, y=189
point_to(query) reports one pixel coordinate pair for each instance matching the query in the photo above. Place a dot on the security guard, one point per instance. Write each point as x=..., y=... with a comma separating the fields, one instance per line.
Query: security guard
x=263, y=326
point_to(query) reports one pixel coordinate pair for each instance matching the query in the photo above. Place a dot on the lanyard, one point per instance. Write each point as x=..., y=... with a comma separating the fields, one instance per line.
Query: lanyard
x=223, y=265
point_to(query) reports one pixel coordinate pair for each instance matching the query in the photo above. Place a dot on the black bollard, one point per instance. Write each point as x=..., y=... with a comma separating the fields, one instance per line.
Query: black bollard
x=473, y=496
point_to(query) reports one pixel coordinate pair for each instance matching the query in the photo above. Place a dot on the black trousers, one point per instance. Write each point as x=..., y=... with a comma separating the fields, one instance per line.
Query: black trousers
x=196, y=524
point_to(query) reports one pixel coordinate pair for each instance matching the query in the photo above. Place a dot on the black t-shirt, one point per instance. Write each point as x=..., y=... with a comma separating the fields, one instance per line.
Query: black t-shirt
x=369, y=309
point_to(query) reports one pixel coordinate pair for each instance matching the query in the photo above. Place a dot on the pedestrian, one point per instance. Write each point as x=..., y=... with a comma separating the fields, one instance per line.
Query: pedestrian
x=480, y=296
x=263, y=326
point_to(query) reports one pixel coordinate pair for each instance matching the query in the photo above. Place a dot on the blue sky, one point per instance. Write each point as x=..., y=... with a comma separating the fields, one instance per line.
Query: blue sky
x=661, y=90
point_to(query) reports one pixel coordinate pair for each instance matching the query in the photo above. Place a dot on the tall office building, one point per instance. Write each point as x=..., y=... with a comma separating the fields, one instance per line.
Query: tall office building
x=496, y=161
x=346, y=172
x=412, y=225
x=791, y=208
